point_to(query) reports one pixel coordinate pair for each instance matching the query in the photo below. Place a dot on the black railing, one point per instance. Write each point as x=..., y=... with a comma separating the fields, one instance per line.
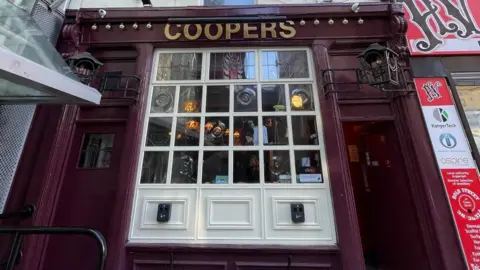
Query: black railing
x=353, y=80
x=117, y=86
x=15, y=251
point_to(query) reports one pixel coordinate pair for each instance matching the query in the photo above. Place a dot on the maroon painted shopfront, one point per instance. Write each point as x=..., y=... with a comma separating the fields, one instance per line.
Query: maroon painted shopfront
x=357, y=159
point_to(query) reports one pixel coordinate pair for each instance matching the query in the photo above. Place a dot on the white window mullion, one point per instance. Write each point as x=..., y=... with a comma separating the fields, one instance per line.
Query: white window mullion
x=261, y=167
x=200, y=168
x=205, y=66
x=170, y=167
x=230, y=166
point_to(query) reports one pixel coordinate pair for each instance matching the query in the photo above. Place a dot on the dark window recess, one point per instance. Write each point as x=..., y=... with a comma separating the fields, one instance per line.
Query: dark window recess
x=113, y=84
x=111, y=80
x=96, y=151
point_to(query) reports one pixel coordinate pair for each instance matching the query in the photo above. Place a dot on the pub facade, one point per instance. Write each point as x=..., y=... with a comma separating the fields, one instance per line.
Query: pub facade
x=174, y=170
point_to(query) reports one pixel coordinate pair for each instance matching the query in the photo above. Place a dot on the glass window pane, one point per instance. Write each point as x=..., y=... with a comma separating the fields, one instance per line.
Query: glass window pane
x=184, y=168
x=304, y=130
x=96, y=151
x=232, y=66
x=163, y=99
x=154, y=169
x=218, y=98
x=159, y=131
x=188, y=131
x=308, y=166
x=216, y=131
x=277, y=167
x=301, y=97
x=215, y=167
x=284, y=65
x=245, y=130
x=179, y=66
x=245, y=98
x=190, y=99
x=275, y=130
x=246, y=167
x=273, y=98
x=470, y=98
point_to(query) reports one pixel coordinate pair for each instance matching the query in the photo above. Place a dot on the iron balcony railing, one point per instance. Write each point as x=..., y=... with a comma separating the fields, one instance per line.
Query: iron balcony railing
x=118, y=86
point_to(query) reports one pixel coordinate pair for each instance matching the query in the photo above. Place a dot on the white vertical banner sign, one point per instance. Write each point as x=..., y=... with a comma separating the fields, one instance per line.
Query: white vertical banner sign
x=454, y=158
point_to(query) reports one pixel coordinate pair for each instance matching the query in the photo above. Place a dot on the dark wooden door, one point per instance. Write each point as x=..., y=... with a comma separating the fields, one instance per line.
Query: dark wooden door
x=393, y=230
x=87, y=194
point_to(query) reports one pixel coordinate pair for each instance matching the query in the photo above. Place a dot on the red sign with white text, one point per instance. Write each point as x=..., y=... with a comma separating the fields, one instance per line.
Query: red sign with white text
x=433, y=92
x=459, y=172
x=443, y=27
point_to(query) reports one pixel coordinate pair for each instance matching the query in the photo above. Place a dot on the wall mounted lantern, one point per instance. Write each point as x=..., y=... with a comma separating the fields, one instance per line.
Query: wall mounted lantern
x=379, y=66
x=85, y=66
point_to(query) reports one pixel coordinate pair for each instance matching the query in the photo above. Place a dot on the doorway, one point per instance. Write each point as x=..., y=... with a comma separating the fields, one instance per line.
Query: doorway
x=87, y=194
x=388, y=226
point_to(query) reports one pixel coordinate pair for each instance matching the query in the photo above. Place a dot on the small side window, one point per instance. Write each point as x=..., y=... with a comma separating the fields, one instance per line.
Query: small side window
x=96, y=150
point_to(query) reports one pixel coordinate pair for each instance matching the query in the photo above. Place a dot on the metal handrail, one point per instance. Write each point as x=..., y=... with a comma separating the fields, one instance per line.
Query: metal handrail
x=19, y=232
x=26, y=212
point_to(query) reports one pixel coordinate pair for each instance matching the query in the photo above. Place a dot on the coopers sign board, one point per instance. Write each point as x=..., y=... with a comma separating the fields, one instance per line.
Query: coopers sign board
x=443, y=27
x=454, y=158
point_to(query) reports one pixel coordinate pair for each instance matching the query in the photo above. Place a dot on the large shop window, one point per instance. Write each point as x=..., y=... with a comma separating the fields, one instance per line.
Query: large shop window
x=232, y=142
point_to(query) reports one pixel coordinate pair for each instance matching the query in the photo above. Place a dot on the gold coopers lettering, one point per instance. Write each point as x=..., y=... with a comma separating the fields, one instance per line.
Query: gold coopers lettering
x=217, y=31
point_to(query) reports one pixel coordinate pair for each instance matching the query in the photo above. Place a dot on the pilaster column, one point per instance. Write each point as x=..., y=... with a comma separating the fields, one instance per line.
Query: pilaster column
x=120, y=220
x=348, y=232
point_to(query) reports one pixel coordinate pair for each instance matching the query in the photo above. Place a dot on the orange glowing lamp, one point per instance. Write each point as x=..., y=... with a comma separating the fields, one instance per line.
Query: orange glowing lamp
x=208, y=126
x=190, y=106
x=192, y=124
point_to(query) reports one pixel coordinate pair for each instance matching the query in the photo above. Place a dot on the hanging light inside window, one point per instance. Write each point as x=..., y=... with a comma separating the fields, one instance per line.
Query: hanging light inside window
x=297, y=101
x=208, y=126
x=299, y=98
x=192, y=125
x=190, y=106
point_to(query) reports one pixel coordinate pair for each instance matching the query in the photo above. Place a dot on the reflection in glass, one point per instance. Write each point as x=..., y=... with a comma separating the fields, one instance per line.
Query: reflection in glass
x=190, y=99
x=277, y=167
x=163, y=99
x=215, y=167
x=188, y=131
x=301, y=97
x=275, y=131
x=245, y=130
x=284, y=65
x=179, y=66
x=232, y=66
x=96, y=151
x=216, y=131
x=154, y=169
x=246, y=167
x=245, y=98
x=304, y=130
x=218, y=98
x=308, y=166
x=184, y=169
x=159, y=131
x=273, y=98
